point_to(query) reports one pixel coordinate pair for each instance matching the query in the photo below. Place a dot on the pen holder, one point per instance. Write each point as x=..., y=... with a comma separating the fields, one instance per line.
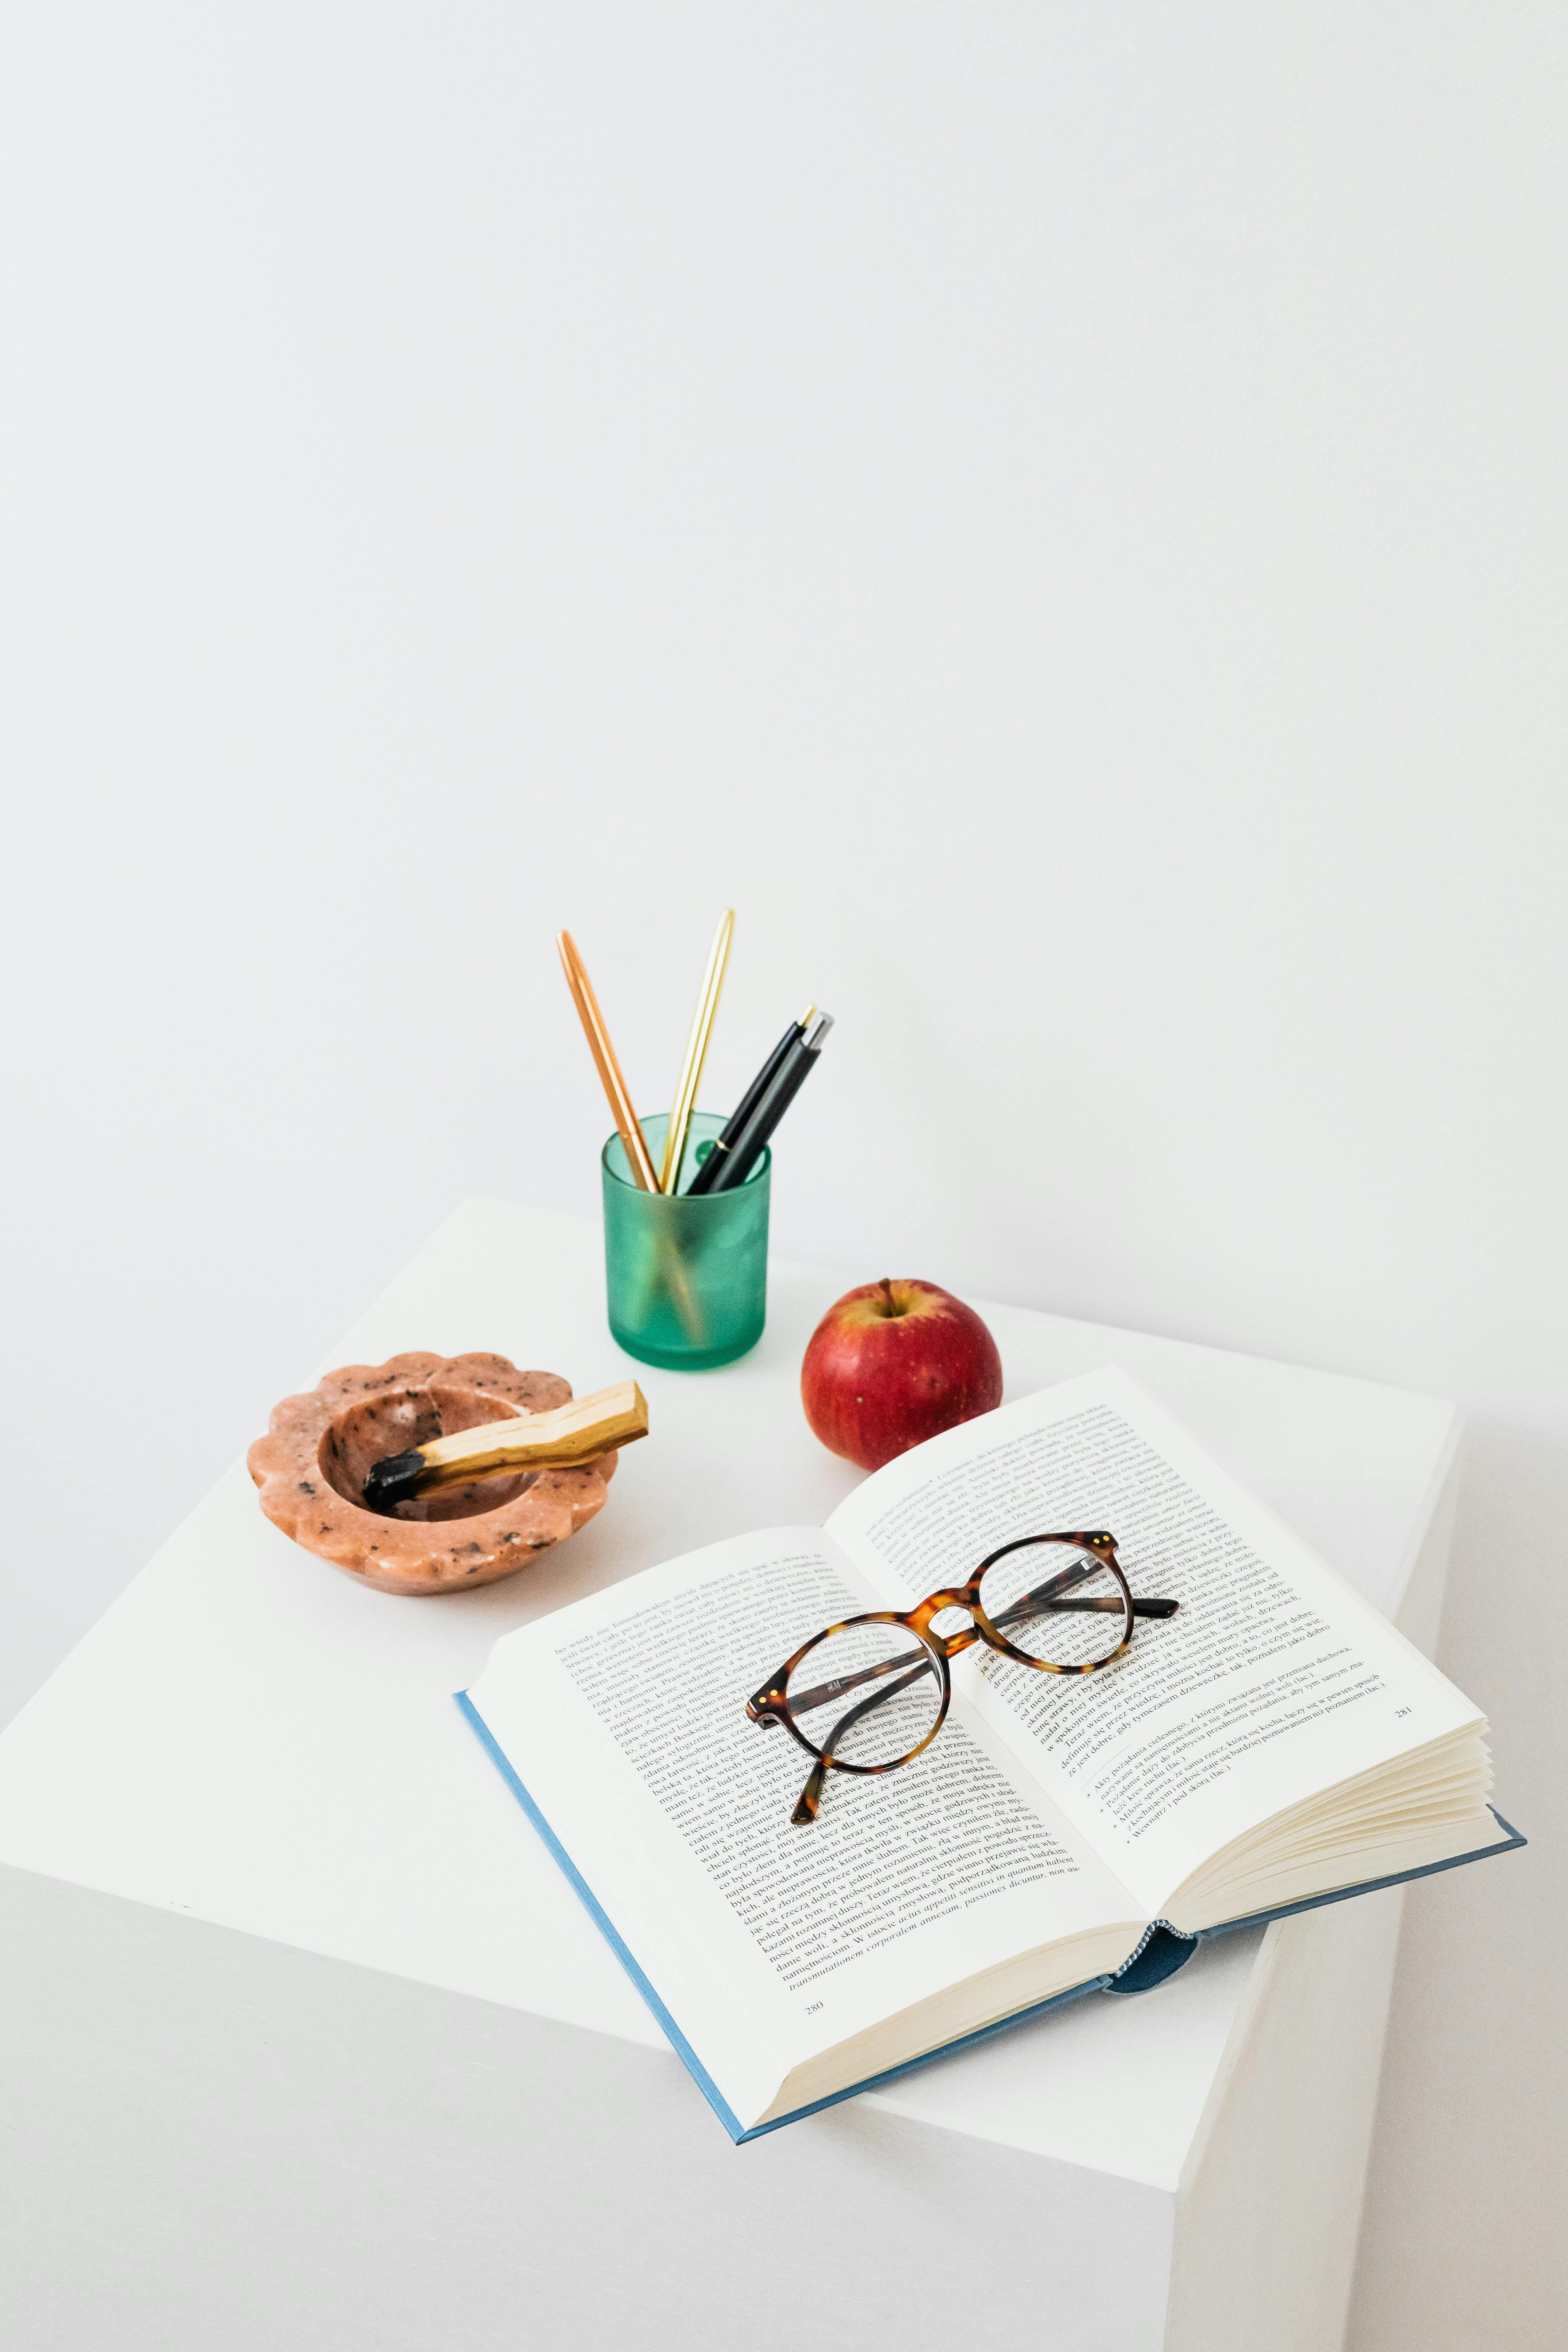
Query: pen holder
x=686, y=1280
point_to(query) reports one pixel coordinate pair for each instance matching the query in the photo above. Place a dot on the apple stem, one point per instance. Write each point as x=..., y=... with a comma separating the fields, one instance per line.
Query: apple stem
x=885, y=1288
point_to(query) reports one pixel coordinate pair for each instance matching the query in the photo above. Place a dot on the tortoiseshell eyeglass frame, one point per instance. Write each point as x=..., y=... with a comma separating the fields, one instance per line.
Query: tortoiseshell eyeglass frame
x=771, y=1705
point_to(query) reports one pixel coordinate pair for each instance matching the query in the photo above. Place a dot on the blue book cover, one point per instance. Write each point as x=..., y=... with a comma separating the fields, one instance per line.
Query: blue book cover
x=1262, y=1742
x=1162, y=1951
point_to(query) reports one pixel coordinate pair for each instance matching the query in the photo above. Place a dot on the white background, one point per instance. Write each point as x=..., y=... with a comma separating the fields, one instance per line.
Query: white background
x=1054, y=514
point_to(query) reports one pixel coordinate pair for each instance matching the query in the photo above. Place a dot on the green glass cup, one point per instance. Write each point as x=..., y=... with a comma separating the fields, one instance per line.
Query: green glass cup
x=687, y=1281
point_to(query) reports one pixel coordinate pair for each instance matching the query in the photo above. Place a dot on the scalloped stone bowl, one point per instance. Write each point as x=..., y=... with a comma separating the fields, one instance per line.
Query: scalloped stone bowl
x=312, y=1464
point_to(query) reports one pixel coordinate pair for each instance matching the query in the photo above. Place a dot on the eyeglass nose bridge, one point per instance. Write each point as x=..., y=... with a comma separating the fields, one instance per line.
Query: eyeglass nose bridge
x=963, y=1637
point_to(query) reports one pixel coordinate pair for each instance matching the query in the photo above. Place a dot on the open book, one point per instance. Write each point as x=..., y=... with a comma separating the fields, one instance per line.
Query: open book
x=1274, y=1744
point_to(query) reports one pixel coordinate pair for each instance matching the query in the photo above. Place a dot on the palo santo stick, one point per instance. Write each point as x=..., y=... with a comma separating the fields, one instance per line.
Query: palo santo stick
x=577, y=1432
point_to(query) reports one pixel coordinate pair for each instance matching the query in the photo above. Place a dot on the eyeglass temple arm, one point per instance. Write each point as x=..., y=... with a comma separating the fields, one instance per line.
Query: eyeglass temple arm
x=1044, y=1600
x=1031, y=1604
x=804, y=1701
x=805, y=1812
x=1038, y=1603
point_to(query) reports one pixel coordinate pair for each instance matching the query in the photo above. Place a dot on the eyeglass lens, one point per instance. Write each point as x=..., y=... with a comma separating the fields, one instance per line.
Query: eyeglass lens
x=867, y=1693
x=1057, y=1603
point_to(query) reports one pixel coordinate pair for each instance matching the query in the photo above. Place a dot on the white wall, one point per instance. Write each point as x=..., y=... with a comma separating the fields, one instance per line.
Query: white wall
x=1054, y=514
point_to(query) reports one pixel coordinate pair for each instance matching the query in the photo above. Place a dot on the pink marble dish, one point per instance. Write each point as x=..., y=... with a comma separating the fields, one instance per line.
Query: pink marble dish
x=312, y=1466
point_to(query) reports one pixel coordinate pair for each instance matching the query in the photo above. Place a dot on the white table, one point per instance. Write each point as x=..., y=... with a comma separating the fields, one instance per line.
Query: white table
x=307, y=2044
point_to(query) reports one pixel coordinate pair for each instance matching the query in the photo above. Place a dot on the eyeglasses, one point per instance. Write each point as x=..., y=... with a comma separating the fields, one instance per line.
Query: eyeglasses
x=1073, y=1620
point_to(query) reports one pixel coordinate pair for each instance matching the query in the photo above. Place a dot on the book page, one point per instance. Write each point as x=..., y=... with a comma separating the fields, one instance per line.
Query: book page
x=625, y=1717
x=1274, y=1682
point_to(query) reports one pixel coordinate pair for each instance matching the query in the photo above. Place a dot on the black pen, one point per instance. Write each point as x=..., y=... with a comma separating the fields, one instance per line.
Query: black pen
x=798, y=1062
x=708, y=1167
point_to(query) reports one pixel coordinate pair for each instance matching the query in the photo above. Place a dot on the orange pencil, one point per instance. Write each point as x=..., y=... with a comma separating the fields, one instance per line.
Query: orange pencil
x=604, y=1053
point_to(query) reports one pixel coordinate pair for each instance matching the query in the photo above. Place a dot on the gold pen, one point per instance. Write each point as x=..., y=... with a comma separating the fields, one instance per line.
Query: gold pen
x=696, y=1053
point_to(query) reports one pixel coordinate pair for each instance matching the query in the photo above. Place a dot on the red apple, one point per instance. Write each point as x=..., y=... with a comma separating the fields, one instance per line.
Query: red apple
x=894, y=1362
